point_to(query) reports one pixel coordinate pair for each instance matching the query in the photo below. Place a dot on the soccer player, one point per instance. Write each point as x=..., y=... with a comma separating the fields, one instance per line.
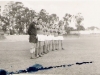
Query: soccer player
x=45, y=37
x=53, y=37
x=54, y=31
x=61, y=36
x=56, y=37
x=46, y=40
x=40, y=39
x=50, y=37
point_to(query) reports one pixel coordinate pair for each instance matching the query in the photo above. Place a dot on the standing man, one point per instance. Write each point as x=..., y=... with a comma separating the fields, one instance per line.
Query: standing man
x=32, y=31
x=40, y=37
x=60, y=33
x=44, y=36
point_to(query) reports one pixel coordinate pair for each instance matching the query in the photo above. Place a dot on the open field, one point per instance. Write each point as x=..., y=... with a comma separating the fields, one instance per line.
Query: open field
x=15, y=56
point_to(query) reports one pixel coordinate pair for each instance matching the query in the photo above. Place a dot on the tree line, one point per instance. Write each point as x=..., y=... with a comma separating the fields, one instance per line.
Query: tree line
x=16, y=18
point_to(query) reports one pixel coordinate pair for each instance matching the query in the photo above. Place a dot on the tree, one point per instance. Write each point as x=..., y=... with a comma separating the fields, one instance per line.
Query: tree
x=80, y=27
x=17, y=16
x=55, y=18
x=9, y=14
x=61, y=23
x=43, y=15
x=79, y=20
x=68, y=29
x=67, y=19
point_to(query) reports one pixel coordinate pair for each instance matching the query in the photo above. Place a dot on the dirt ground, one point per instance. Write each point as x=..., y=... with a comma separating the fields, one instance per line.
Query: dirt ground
x=15, y=56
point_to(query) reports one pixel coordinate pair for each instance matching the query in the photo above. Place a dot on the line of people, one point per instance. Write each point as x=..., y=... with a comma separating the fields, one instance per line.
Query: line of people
x=44, y=37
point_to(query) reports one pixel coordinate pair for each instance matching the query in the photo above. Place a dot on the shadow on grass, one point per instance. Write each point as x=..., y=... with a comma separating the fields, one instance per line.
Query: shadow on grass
x=38, y=67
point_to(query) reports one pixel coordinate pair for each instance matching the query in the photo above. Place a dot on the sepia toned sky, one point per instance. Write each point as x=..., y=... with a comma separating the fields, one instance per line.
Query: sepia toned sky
x=90, y=9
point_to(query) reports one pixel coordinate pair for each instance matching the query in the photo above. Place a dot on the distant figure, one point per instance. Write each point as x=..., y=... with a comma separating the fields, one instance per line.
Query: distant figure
x=32, y=31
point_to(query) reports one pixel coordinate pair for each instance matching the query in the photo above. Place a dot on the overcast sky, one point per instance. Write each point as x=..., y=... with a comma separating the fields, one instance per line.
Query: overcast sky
x=89, y=9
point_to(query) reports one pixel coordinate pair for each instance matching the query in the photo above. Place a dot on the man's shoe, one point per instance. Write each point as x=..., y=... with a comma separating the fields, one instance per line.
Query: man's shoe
x=37, y=56
x=33, y=58
x=40, y=55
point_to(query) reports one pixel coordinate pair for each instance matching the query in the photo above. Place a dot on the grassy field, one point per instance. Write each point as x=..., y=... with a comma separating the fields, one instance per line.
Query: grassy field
x=15, y=56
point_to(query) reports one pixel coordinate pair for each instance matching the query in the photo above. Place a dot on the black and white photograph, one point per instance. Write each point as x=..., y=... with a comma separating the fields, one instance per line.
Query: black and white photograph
x=49, y=37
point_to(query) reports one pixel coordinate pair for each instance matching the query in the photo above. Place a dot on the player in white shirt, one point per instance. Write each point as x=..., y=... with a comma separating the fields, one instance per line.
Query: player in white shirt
x=52, y=40
x=40, y=39
x=56, y=37
x=60, y=33
x=44, y=37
